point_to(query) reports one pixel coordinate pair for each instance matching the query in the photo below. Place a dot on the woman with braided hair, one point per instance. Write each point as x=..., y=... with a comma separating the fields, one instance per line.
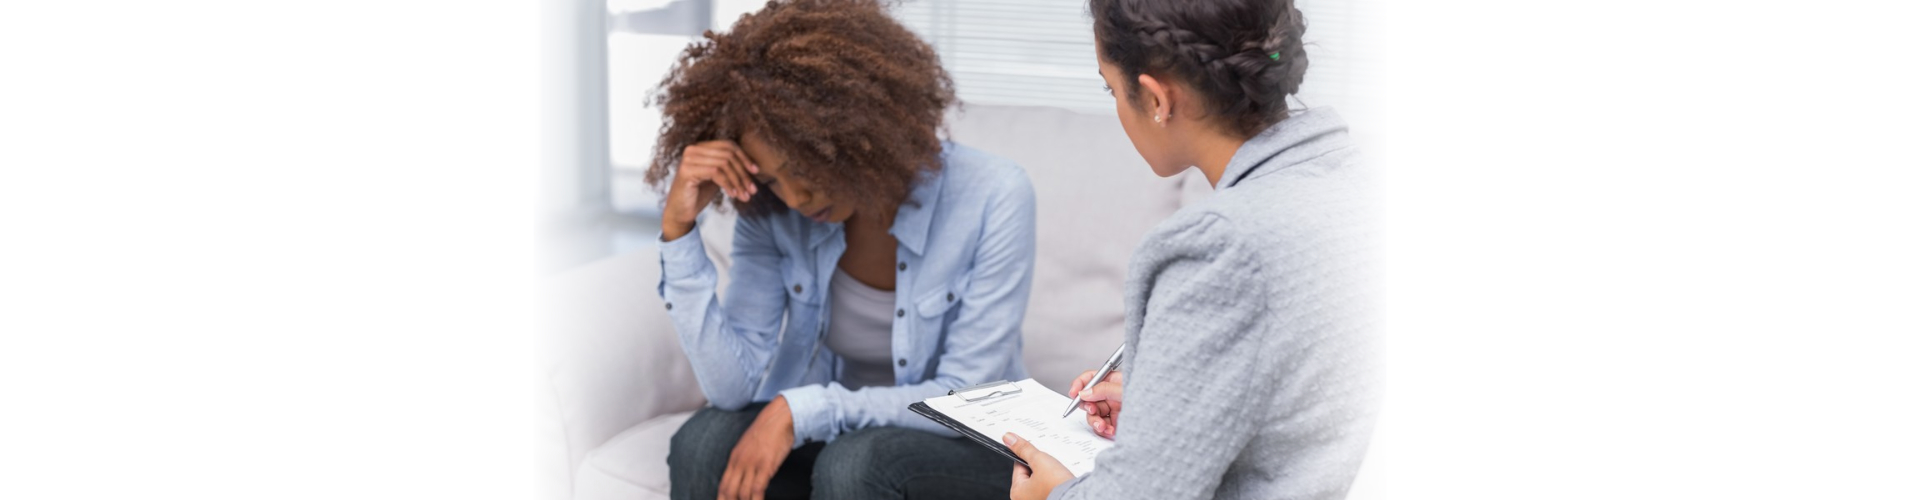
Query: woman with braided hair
x=1249, y=370
x=874, y=265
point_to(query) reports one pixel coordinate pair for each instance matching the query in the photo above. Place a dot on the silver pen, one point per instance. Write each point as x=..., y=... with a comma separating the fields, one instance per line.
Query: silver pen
x=1112, y=361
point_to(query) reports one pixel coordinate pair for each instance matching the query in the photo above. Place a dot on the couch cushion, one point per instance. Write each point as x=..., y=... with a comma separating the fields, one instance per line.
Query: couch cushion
x=632, y=464
x=617, y=361
x=1096, y=199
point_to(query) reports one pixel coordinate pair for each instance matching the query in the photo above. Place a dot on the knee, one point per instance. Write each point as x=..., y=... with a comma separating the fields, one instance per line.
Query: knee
x=703, y=444
x=848, y=465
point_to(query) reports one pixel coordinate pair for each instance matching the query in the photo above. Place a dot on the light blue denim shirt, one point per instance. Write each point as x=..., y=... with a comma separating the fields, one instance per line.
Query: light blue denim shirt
x=964, y=264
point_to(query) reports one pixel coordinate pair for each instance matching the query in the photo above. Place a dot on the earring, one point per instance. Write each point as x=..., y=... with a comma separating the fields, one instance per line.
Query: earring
x=1156, y=118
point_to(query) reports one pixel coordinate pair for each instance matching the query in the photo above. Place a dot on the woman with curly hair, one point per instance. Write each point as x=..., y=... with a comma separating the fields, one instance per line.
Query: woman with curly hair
x=874, y=265
x=1249, y=369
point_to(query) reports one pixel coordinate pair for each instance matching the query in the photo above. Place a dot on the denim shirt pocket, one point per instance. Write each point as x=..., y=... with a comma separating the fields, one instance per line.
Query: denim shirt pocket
x=933, y=309
x=935, y=303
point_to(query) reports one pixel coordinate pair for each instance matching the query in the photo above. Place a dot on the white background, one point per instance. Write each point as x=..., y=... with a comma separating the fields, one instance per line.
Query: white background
x=1636, y=249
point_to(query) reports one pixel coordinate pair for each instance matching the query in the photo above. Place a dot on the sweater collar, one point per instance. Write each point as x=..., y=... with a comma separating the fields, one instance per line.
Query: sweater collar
x=1305, y=134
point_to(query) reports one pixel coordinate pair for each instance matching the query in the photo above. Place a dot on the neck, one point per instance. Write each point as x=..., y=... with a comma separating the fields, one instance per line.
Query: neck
x=861, y=221
x=1213, y=152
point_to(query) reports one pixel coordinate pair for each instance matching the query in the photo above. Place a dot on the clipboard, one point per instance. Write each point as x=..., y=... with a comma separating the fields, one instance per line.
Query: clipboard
x=996, y=389
x=984, y=412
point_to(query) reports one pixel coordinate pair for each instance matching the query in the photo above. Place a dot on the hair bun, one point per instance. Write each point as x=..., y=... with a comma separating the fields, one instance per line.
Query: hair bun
x=1243, y=56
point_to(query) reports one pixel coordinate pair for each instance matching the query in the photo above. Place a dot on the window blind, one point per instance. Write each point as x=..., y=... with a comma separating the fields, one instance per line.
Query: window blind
x=1040, y=52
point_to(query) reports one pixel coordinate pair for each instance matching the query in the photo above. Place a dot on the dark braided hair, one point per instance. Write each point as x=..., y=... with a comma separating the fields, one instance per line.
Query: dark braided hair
x=1243, y=56
x=852, y=98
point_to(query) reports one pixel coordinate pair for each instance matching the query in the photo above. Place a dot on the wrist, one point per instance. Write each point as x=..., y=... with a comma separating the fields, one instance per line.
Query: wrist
x=783, y=412
x=671, y=229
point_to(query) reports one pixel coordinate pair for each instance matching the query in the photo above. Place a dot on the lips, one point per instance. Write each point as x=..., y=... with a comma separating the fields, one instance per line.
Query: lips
x=821, y=215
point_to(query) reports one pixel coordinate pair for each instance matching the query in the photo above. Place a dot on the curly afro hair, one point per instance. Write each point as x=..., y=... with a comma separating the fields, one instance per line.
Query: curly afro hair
x=852, y=98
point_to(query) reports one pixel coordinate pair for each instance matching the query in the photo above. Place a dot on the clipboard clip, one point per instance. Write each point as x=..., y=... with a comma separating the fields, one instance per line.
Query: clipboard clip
x=979, y=392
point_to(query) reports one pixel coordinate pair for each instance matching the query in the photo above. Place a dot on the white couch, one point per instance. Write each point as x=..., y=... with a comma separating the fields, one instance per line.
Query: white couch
x=620, y=385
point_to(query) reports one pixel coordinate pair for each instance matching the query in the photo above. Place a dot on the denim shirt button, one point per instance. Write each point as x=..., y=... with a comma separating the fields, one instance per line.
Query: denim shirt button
x=796, y=289
x=903, y=361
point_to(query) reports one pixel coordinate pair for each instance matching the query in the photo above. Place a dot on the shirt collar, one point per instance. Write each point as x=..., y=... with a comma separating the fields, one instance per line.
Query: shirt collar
x=911, y=223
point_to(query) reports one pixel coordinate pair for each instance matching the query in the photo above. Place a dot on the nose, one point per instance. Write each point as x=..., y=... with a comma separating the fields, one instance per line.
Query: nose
x=794, y=196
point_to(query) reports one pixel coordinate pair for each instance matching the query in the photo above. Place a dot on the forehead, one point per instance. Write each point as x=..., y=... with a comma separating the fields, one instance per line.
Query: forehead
x=762, y=153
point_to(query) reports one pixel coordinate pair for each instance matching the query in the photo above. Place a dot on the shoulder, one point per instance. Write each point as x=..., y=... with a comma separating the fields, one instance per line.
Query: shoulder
x=980, y=190
x=1274, y=224
x=972, y=174
x=1306, y=210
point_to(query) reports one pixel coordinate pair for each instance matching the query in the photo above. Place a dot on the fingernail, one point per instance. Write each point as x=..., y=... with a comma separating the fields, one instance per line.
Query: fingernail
x=1010, y=439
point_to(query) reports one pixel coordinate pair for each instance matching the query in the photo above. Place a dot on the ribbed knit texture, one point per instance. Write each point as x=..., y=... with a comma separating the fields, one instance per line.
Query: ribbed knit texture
x=1251, y=320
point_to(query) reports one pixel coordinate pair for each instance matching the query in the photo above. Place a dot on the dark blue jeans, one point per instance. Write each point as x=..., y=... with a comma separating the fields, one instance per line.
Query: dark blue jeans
x=880, y=462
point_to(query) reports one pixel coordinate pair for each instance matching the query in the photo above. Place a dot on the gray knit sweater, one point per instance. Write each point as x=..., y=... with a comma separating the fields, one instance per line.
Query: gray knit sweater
x=1250, y=371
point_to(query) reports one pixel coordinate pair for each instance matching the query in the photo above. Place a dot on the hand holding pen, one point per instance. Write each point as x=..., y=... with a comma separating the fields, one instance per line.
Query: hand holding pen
x=1100, y=400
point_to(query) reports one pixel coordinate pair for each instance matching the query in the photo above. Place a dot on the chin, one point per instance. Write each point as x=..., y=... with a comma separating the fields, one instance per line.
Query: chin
x=840, y=218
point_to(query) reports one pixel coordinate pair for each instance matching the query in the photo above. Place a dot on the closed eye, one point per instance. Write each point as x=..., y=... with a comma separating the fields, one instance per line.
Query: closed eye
x=1106, y=88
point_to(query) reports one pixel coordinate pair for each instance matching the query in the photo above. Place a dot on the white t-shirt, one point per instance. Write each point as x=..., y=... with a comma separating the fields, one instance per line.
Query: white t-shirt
x=860, y=331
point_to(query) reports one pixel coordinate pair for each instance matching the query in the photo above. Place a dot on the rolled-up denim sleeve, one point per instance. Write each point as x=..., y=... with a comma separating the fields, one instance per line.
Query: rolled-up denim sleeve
x=727, y=346
x=981, y=342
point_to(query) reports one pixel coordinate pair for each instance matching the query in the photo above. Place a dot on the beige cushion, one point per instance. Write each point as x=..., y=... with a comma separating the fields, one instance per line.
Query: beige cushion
x=617, y=361
x=632, y=464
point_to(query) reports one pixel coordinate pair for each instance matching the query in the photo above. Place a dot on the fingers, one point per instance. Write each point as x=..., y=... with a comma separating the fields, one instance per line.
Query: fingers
x=1021, y=447
x=1079, y=382
x=729, y=481
x=1086, y=378
x=745, y=481
x=1105, y=391
x=1036, y=460
x=722, y=163
x=1102, y=409
x=715, y=168
x=736, y=170
x=1101, y=418
x=742, y=478
x=1104, y=427
x=758, y=485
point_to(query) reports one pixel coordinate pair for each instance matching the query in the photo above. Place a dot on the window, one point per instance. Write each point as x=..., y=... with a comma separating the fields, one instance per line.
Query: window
x=1040, y=52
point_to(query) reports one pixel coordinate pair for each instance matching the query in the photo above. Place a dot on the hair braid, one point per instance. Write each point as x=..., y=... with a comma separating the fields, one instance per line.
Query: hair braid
x=1243, y=56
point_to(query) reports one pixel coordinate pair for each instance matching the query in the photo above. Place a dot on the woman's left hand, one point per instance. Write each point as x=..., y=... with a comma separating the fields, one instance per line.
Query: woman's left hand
x=1046, y=474
x=759, y=453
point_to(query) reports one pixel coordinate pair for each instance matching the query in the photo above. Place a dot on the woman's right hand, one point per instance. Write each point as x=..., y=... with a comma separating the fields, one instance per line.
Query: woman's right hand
x=706, y=169
x=1101, y=401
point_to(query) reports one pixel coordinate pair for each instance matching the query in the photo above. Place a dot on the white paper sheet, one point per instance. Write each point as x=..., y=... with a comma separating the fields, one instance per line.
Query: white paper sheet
x=1034, y=414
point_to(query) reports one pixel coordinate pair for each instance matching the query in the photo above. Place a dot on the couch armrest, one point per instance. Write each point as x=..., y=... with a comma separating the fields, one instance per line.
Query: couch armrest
x=615, y=358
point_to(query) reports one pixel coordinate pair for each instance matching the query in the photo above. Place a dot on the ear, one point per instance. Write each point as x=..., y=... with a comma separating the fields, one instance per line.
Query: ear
x=1159, y=98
